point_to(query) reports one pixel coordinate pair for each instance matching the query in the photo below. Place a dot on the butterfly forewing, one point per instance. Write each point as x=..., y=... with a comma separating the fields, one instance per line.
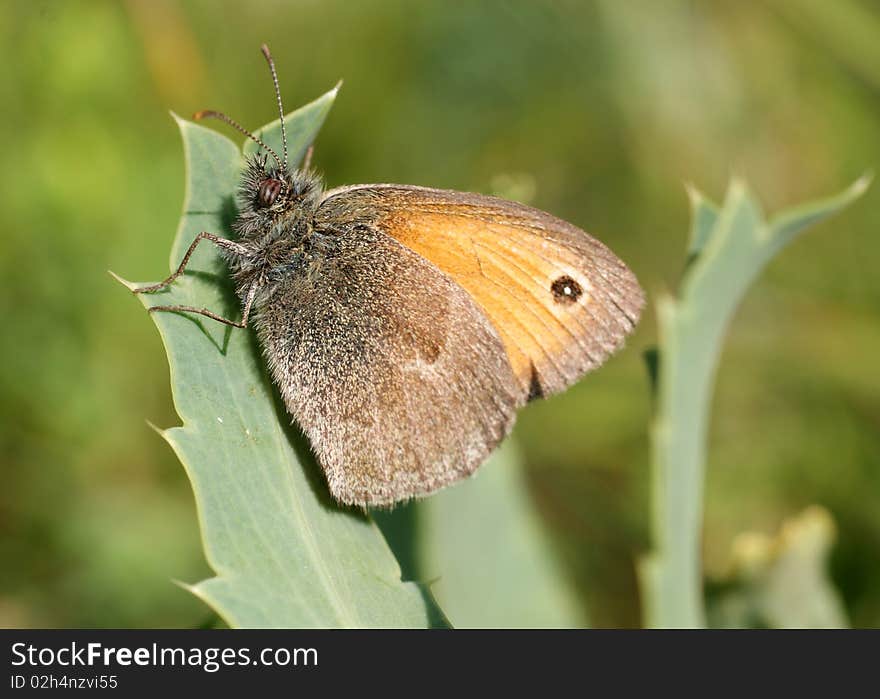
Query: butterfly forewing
x=560, y=300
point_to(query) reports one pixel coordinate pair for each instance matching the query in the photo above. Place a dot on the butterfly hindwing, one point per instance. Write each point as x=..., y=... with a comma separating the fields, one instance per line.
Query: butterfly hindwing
x=394, y=373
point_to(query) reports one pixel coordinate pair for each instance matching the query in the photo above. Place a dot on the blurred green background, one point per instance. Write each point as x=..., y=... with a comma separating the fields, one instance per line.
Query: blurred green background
x=595, y=111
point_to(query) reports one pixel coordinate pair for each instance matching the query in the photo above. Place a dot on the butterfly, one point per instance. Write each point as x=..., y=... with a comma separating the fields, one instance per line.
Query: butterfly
x=405, y=326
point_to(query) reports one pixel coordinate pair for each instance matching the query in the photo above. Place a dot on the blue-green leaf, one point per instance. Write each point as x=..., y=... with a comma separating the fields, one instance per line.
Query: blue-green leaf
x=730, y=247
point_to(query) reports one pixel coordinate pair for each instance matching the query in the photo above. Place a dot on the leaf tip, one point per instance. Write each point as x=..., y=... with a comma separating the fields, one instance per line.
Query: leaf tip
x=737, y=187
x=860, y=186
x=199, y=593
x=131, y=286
x=185, y=586
x=739, y=194
x=694, y=195
x=158, y=430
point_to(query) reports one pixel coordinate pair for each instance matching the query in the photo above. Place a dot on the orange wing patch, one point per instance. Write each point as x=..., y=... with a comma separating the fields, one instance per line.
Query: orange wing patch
x=512, y=286
x=552, y=334
x=560, y=301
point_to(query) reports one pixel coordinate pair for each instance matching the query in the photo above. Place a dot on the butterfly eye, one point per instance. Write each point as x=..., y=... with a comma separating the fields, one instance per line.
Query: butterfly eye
x=269, y=190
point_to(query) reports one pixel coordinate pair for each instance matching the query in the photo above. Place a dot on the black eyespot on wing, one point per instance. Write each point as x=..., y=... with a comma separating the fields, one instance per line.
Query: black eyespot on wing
x=566, y=290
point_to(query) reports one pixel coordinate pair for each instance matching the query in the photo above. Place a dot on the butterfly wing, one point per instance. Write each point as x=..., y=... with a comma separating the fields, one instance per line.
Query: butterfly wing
x=398, y=379
x=560, y=300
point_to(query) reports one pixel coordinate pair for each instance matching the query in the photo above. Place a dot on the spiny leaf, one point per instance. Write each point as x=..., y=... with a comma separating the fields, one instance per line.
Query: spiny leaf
x=730, y=248
x=283, y=553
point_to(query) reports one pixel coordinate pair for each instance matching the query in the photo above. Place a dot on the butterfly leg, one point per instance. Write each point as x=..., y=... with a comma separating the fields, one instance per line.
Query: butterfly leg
x=249, y=301
x=221, y=243
x=216, y=239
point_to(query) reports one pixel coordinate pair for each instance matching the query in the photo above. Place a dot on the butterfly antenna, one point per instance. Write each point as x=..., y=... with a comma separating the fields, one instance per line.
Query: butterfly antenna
x=209, y=114
x=265, y=50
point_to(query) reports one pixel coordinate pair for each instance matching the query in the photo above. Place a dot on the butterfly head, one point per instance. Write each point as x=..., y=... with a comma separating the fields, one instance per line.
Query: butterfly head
x=268, y=191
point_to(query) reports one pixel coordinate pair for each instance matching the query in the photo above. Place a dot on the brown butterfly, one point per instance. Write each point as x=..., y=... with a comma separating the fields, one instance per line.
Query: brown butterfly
x=404, y=326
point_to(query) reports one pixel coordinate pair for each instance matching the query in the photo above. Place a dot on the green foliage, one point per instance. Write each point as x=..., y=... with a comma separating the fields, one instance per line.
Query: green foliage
x=489, y=553
x=485, y=552
x=283, y=554
x=728, y=248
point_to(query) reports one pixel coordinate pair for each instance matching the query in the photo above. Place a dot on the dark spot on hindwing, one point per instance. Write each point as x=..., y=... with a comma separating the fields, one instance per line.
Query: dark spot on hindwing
x=418, y=346
x=429, y=350
x=566, y=290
